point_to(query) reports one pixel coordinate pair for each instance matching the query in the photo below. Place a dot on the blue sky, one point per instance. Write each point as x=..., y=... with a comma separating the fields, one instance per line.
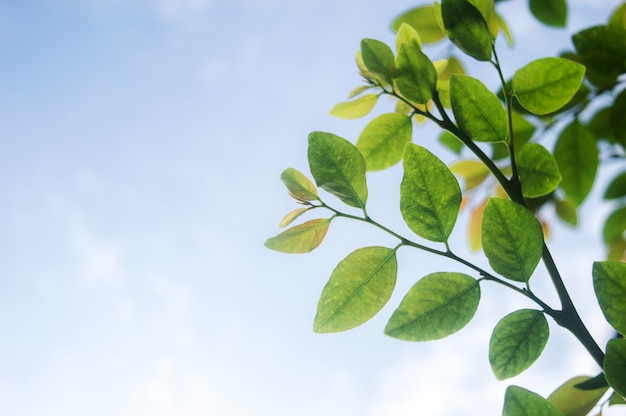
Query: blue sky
x=141, y=143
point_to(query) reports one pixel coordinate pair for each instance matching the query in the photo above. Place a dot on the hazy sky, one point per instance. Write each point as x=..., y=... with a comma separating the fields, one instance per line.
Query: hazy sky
x=141, y=143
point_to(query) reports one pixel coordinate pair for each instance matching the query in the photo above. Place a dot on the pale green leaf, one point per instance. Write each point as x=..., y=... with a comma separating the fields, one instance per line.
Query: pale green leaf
x=406, y=36
x=438, y=305
x=473, y=172
x=378, y=59
x=609, y=283
x=572, y=401
x=615, y=225
x=516, y=342
x=430, y=195
x=566, y=211
x=382, y=141
x=615, y=365
x=545, y=85
x=537, y=169
x=292, y=216
x=416, y=77
x=300, y=187
x=467, y=28
x=504, y=27
x=550, y=12
x=301, y=238
x=359, y=90
x=423, y=20
x=521, y=402
x=356, y=108
x=452, y=142
x=512, y=239
x=358, y=288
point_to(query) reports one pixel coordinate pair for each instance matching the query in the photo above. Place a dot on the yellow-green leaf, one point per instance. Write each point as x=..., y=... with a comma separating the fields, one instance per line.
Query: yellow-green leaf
x=300, y=187
x=521, y=402
x=356, y=108
x=473, y=172
x=537, y=169
x=572, y=401
x=292, y=216
x=382, y=141
x=301, y=238
x=416, y=77
x=423, y=20
x=467, y=28
x=407, y=35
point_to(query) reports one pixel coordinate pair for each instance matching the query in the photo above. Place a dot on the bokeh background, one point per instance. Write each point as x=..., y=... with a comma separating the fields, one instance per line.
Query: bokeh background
x=141, y=143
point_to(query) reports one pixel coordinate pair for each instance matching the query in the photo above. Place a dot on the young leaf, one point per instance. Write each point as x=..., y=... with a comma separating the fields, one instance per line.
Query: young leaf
x=378, y=59
x=609, y=283
x=477, y=110
x=382, y=141
x=359, y=90
x=572, y=401
x=516, y=342
x=356, y=108
x=358, y=288
x=430, y=196
x=538, y=171
x=292, y=216
x=338, y=167
x=545, y=85
x=423, y=20
x=617, y=187
x=550, y=12
x=301, y=238
x=522, y=402
x=615, y=365
x=300, y=187
x=512, y=239
x=473, y=172
x=576, y=155
x=407, y=35
x=504, y=27
x=602, y=49
x=416, y=77
x=438, y=305
x=467, y=28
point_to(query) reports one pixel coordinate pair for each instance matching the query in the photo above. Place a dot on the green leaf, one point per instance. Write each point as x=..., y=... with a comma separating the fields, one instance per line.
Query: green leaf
x=488, y=12
x=521, y=402
x=572, y=401
x=301, y=238
x=512, y=239
x=356, y=108
x=615, y=225
x=359, y=90
x=467, y=28
x=550, y=12
x=537, y=169
x=416, y=77
x=600, y=126
x=618, y=18
x=617, y=187
x=566, y=211
x=292, y=216
x=338, y=167
x=602, y=49
x=516, y=342
x=504, y=27
x=358, y=288
x=545, y=85
x=616, y=400
x=609, y=283
x=382, y=141
x=407, y=35
x=423, y=20
x=478, y=111
x=473, y=172
x=378, y=59
x=576, y=155
x=300, y=187
x=617, y=121
x=615, y=365
x=438, y=305
x=593, y=383
x=430, y=196
x=452, y=142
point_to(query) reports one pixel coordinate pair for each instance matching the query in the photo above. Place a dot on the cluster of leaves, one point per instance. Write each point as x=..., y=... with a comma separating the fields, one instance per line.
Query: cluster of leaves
x=552, y=91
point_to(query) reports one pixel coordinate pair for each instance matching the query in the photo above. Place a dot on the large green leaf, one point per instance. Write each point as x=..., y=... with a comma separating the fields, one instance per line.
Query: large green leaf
x=430, y=196
x=576, y=155
x=358, y=288
x=516, y=342
x=521, y=402
x=478, y=111
x=537, y=170
x=615, y=365
x=602, y=49
x=609, y=283
x=438, y=305
x=467, y=29
x=300, y=187
x=378, y=59
x=545, y=85
x=416, y=77
x=550, y=12
x=423, y=20
x=617, y=187
x=356, y=108
x=512, y=239
x=572, y=401
x=301, y=238
x=383, y=139
x=338, y=167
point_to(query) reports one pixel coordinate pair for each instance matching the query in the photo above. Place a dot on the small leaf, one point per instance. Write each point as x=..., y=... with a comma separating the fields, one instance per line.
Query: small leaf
x=615, y=365
x=572, y=401
x=522, y=402
x=378, y=59
x=576, y=155
x=356, y=108
x=566, y=211
x=504, y=27
x=359, y=90
x=545, y=85
x=602, y=49
x=512, y=239
x=416, y=77
x=300, y=187
x=617, y=121
x=301, y=238
x=477, y=110
x=430, y=196
x=550, y=12
x=609, y=283
x=423, y=20
x=358, y=288
x=474, y=227
x=615, y=225
x=593, y=383
x=338, y=167
x=467, y=28
x=292, y=216
x=452, y=142
x=382, y=141
x=438, y=305
x=407, y=35
x=516, y=342
x=616, y=400
x=538, y=171
x=617, y=187
x=473, y=172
